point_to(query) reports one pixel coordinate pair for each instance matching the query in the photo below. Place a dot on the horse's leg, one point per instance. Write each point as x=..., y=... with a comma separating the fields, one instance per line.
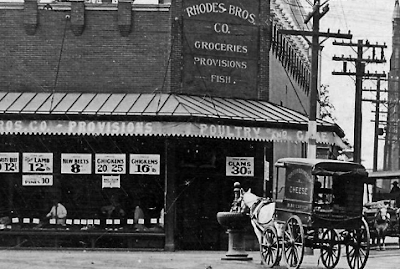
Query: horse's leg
x=258, y=234
x=384, y=231
x=378, y=238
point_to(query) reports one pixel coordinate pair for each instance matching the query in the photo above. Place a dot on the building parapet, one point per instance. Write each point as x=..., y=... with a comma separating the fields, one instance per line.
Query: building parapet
x=62, y=6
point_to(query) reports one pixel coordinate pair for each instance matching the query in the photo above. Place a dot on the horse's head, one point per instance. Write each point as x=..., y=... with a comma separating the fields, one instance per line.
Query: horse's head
x=247, y=198
x=240, y=205
x=383, y=214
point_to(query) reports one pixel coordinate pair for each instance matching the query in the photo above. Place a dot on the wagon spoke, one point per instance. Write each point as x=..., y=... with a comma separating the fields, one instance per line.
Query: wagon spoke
x=294, y=256
x=351, y=252
x=353, y=263
x=271, y=256
x=362, y=252
x=330, y=261
x=358, y=261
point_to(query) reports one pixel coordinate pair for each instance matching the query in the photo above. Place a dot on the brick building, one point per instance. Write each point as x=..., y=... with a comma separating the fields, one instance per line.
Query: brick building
x=152, y=108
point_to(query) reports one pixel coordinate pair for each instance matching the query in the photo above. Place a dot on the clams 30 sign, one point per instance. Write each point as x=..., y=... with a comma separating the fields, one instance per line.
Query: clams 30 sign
x=240, y=166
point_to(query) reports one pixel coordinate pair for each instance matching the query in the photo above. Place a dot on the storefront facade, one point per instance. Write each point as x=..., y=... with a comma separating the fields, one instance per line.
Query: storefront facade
x=132, y=107
x=179, y=173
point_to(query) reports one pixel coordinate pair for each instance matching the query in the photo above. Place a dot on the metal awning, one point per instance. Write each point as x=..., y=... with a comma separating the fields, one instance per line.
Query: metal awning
x=169, y=106
x=136, y=104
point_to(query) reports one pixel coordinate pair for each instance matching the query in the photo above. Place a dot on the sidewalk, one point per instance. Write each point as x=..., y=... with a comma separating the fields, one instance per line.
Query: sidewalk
x=106, y=259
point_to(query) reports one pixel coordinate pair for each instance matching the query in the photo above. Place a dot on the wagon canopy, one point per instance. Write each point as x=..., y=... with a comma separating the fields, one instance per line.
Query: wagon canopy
x=326, y=167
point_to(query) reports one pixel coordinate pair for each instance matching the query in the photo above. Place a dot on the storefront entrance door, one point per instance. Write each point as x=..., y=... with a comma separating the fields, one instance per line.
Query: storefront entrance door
x=200, y=198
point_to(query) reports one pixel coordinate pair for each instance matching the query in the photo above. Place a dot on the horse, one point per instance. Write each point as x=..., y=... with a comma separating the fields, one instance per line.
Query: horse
x=261, y=211
x=381, y=224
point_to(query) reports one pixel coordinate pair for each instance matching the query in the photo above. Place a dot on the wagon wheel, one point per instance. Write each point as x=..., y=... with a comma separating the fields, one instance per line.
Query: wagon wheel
x=357, y=246
x=330, y=248
x=270, y=249
x=293, y=242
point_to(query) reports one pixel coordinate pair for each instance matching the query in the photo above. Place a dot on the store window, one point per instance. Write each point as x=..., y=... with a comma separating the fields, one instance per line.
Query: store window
x=113, y=183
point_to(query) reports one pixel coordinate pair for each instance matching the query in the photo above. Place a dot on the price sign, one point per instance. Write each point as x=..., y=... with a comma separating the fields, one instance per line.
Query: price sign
x=240, y=166
x=144, y=164
x=37, y=162
x=113, y=181
x=9, y=162
x=37, y=180
x=76, y=163
x=110, y=164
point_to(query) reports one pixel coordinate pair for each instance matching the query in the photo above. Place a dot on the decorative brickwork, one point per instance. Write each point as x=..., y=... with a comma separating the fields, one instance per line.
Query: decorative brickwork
x=30, y=16
x=77, y=16
x=125, y=17
x=99, y=60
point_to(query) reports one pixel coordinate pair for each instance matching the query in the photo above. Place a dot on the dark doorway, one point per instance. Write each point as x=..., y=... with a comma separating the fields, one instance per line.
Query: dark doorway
x=200, y=198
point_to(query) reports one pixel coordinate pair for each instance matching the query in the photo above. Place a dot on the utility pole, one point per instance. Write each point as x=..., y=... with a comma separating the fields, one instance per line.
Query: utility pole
x=377, y=130
x=359, y=74
x=315, y=34
x=376, y=124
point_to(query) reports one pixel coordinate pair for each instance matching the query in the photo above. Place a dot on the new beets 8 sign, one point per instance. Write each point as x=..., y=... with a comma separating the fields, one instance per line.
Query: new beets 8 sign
x=221, y=46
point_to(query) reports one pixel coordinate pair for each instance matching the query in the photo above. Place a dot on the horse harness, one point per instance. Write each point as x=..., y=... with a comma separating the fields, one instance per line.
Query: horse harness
x=255, y=211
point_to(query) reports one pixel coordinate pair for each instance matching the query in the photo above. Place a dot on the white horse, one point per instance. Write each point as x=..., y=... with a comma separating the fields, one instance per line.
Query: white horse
x=381, y=224
x=261, y=211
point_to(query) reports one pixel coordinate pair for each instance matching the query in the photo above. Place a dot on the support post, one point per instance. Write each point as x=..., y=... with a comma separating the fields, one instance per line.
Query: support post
x=170, y=196
x=377, y=111
x=357, y=105
x=312, y=123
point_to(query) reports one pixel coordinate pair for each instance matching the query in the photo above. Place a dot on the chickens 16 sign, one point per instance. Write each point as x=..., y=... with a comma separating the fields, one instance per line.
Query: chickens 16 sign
x=240, y=166
x=144, y=164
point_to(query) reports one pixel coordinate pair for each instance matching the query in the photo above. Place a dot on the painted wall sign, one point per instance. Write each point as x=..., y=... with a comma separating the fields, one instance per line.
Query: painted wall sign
x=110, y=164
x=240, y=166
x=37, y=180
x=73, y=163
x=37, y=162
x=299, y=183
x=220, y=47
x=61, y=127
x=144, y=164
x=9, y=162
x=111, y=181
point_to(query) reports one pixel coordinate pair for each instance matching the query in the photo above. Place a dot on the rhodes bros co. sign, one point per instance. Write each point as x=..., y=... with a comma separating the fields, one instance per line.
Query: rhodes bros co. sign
x=220, y=45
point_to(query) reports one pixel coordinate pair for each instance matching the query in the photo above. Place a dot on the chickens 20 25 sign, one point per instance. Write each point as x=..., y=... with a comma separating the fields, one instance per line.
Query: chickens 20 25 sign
x=220, y=42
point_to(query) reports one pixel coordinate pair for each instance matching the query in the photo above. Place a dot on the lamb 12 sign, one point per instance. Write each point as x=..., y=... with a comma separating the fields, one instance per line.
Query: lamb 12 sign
x=220, y=47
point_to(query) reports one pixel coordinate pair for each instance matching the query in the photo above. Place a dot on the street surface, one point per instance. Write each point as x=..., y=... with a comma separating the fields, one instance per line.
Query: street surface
x=60, y=259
